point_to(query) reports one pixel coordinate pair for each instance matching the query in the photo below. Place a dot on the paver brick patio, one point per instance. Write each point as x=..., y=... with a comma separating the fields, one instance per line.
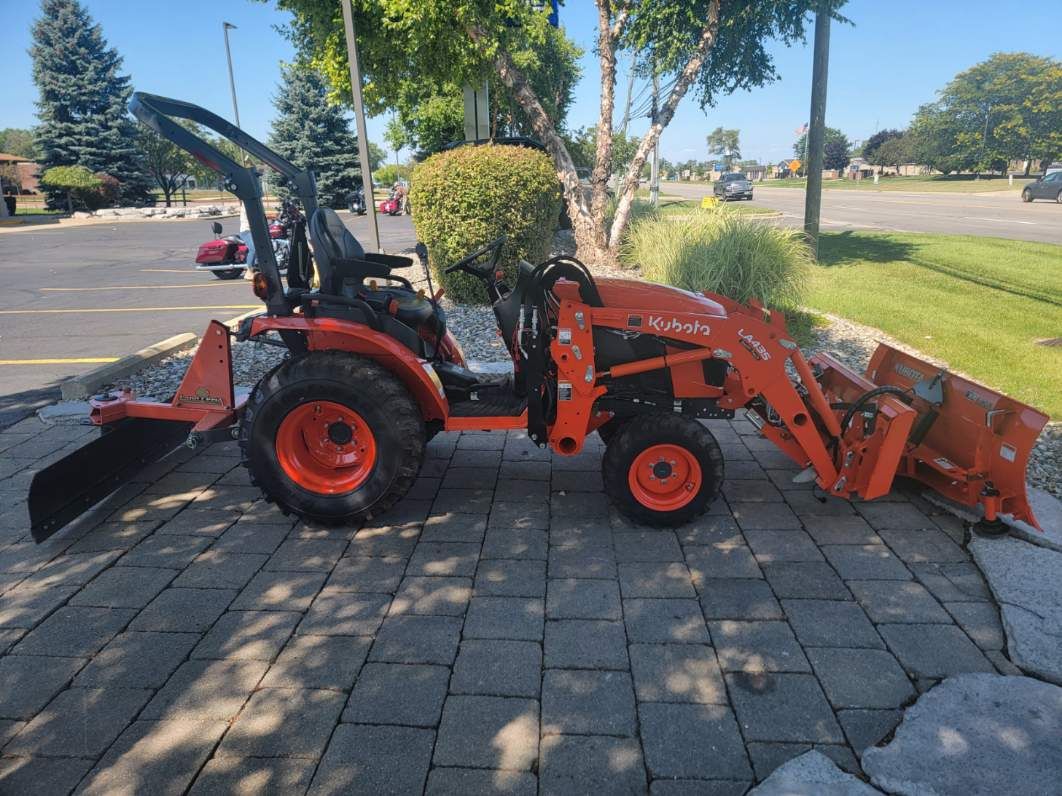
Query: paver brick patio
x=502, y=629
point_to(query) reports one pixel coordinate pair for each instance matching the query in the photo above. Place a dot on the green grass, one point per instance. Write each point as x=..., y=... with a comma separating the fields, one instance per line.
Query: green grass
x=38, y=210
x=688, y=207
x=934, y=184
x=980, y=304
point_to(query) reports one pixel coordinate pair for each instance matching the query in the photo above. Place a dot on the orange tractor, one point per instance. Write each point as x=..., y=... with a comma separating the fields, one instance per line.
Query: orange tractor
x=337, y=432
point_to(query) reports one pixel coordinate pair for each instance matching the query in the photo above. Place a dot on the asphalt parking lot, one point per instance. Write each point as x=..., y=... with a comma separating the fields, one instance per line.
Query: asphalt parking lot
x=999, y=215
x=79, y=296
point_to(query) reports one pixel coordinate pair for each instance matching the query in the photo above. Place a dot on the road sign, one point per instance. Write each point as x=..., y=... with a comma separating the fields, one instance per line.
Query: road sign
x=794, y=165
x=708, y=201
x=477, y=113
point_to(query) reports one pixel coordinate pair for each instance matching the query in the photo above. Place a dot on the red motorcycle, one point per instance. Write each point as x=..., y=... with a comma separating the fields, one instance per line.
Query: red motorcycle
x=225, y=257
x=394, y=205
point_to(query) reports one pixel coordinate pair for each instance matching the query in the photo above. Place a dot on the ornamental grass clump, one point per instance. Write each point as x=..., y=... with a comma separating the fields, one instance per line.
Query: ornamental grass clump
x=722, y=252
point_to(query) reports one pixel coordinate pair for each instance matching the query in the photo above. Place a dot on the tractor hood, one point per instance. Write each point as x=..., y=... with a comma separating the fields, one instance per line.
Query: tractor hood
x=645, y=296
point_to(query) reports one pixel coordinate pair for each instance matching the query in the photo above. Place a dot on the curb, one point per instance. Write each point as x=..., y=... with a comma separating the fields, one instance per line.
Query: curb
x=83, y=386
x=73, y=223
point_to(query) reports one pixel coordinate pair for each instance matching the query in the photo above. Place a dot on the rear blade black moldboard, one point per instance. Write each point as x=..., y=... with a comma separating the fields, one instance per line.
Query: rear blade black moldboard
x=64, y=491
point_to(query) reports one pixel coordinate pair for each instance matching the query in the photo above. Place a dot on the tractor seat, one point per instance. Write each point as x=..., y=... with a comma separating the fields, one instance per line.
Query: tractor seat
x=340, y=258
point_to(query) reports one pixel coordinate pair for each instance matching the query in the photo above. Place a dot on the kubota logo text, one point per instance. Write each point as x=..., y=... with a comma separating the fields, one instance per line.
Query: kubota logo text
x=658, y=324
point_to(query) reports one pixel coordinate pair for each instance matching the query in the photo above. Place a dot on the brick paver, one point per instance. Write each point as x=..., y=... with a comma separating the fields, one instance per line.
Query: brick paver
x=502, y=630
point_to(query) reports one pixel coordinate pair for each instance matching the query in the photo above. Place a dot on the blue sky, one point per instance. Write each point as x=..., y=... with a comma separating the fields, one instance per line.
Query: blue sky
x=894, y=57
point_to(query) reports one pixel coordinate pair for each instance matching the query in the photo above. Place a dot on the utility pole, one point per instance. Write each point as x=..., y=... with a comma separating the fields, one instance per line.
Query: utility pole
x=359, y=118
x=232, y=83
x=817, y=131
x=627, y=105
x=654, y=169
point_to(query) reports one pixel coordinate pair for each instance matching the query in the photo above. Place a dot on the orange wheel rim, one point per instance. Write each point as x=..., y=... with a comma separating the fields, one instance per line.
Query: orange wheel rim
x=326, y=447
x=664, y=477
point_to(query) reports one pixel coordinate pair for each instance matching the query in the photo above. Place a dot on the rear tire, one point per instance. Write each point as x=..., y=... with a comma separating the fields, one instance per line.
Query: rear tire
x=609, y=430
x=1058, y=197
x=230, y=273
x=332, y=437
x=662, y=469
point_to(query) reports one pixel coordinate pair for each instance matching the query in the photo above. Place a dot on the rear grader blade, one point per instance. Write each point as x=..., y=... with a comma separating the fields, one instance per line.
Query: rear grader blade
x=136, y=433
x=967, y=442
x=62, y=492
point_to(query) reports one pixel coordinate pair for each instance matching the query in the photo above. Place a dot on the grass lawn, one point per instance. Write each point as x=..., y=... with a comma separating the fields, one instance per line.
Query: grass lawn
x=37, y=210
x=678, y=206
x=980, y=304
x=685, y=207
x=933, y=184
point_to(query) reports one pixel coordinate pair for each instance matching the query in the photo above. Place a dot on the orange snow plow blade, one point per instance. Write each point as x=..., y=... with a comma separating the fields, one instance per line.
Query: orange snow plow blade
x=969, y=443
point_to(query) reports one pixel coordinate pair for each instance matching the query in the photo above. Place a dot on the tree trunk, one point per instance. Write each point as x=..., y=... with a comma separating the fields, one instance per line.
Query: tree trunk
x=663, y=118
x=603, y=155
x=586, y=241
x=69, y=202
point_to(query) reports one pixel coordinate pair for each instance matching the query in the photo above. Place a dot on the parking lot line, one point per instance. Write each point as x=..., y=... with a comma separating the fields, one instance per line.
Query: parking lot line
x=69, y=361
x=165, y=270
x=133, y=309
x=126, y=287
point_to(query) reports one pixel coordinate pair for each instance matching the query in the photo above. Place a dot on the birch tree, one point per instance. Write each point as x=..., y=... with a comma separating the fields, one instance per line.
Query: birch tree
x=708, y=47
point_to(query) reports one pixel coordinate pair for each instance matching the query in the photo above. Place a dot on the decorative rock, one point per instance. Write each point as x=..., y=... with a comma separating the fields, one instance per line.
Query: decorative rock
x=812, y=774
x=1048, y=511
x=82, y=214
x=975, y=733
x=1026, y=580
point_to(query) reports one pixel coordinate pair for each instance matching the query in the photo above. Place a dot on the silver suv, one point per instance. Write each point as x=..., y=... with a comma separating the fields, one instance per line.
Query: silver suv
x=733, y=185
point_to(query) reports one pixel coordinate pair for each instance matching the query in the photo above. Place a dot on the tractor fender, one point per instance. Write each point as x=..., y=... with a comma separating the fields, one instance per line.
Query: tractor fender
x=333, y=334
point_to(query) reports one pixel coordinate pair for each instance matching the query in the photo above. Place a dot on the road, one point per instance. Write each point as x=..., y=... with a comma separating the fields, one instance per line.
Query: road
x=1001, y=214
x=75, y=297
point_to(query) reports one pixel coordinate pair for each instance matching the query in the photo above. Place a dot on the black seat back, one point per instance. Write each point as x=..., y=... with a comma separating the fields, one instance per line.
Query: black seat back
x=332, y=242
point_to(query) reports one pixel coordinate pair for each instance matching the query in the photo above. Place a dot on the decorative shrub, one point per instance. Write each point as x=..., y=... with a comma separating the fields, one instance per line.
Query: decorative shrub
x=468, y=196
x=106, y=195
x=77, y=181
x=723, y=252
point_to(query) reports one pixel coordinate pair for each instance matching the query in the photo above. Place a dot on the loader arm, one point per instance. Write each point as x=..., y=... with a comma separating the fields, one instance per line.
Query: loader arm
x=155, y=112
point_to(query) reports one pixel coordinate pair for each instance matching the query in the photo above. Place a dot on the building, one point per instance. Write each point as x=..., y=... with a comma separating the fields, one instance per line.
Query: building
x=19, y=174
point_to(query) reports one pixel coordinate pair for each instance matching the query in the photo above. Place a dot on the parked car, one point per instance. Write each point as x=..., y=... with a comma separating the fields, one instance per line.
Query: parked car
x=1046, y=187
x=733, y=185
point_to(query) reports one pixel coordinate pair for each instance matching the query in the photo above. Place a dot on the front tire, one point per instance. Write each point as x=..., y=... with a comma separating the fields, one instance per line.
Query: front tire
x=1058, y=197
x=332, y=437
x=1026, y=195
x=229, y=273
x=662, y=469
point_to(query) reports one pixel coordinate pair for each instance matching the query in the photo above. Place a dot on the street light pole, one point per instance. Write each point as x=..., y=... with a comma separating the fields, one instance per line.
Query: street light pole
x=232, y=83
x=817, y=131
x=359, y=118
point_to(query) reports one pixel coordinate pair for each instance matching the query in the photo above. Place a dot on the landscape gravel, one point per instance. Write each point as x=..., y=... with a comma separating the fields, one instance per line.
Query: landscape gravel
x=474, y=326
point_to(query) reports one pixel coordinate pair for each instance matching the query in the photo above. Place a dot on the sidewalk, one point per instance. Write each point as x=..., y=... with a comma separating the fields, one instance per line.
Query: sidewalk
x=503, y=629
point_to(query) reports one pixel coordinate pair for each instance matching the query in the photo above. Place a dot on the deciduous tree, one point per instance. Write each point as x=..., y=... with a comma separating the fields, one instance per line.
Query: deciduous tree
x=726, y=144
x=836, y=151
x=1008, y=107
x=16, y=141
x=706, y=46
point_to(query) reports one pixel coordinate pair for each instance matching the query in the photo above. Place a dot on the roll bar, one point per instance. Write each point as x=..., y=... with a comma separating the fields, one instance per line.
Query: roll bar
x=155, y=112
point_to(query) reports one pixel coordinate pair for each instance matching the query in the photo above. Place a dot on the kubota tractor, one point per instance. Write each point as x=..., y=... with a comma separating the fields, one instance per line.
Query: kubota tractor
x=337, y=432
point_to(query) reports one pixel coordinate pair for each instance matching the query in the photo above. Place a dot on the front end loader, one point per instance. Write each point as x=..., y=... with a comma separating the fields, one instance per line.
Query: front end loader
x=337, y=432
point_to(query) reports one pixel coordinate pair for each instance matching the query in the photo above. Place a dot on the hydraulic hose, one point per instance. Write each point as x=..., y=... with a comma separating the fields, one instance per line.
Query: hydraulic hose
x=862, y=400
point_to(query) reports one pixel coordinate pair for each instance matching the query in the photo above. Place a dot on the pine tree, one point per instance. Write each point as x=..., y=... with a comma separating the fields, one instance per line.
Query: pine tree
x=315, y=135
x=82, y=105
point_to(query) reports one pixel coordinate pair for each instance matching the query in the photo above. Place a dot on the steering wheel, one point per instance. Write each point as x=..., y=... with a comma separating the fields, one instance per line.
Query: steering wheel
x=494, y=248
